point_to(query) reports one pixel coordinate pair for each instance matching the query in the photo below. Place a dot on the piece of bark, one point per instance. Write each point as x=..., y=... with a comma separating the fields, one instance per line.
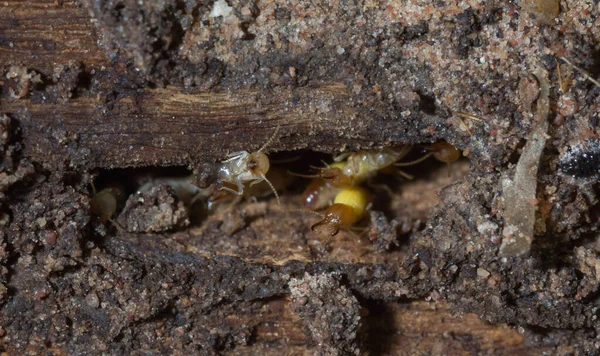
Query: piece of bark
x=167, y=127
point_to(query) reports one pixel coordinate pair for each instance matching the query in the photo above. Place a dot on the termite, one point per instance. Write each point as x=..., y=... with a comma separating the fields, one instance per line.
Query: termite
x=362, y=165
x=245, y=167
x=441, y=150
x=104, y=204
x=349, y=169
x=277, y=179
x=326, y=183
x=348, y=208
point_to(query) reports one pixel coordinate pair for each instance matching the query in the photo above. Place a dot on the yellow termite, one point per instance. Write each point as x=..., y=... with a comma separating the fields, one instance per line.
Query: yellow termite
x=348, y=208
x=349, y=169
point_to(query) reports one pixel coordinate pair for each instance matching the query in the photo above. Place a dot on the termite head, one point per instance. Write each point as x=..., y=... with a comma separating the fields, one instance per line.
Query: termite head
x=335, y=218
x=105, y=202
x=348, y=207
x=258, y=163
x=336, y=176
x=444, y=152
x=333, y=174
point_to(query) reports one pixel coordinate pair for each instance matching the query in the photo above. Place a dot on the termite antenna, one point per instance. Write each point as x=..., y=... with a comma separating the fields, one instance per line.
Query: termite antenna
x=325, y=163
x=270, y=140
x=403, y=174
x=305, y=211
x=303, y=175
x=117, y=225
x=463, y=124
x=93, y=187
x=272, y=188
x=418, y=160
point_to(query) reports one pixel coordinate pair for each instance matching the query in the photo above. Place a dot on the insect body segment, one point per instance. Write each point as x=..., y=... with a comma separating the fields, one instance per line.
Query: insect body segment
x=276, y=180
x=348, y=208
x=362, y=165
x=242, y=167
x=323, y=189
x=318, y=194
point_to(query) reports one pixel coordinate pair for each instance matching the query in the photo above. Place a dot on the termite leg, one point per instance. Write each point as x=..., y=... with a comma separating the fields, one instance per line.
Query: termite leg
x=240, y=190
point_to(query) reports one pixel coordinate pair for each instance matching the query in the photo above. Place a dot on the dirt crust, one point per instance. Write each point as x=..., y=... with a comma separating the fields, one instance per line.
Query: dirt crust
x=334, y=77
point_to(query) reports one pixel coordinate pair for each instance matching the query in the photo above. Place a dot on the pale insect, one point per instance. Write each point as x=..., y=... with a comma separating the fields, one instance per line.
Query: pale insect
x=362, y=165
x=245, y=167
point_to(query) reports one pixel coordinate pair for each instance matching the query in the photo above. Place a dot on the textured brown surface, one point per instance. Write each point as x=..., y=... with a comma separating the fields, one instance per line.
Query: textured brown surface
x=92, y=86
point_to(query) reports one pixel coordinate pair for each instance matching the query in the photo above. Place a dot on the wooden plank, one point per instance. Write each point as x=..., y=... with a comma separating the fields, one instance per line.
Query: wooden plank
x=40, y=34
x=170, y=127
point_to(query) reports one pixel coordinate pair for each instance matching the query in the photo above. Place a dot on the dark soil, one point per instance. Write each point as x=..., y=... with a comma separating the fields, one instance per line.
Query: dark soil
x=158, y=278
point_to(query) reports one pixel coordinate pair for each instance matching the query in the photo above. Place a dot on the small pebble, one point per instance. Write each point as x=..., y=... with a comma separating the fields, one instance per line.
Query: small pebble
x=92, y=300
x=482, y=273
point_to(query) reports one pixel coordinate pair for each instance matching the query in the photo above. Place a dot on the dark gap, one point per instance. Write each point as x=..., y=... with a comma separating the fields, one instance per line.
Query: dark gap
x=84, y=82
x=427, y=103
x=376, y=326
x=247, y=35
x=384, y=188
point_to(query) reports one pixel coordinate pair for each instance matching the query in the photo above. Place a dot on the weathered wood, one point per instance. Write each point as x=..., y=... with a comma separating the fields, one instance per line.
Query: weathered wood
x=428, y=328
x=109, y=124
x=171, y=127
x=41, y=34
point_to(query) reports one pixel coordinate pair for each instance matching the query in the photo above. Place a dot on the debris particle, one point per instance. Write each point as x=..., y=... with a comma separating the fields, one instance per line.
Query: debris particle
x=546, y=11
x=92, y=300
x=155, y=211
x=581, y=161
x=26, y=80
x=487, y=227
x=329, y=311
x=220, y=8
x=520, y=192
x=482, y=273
x=384, y=233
